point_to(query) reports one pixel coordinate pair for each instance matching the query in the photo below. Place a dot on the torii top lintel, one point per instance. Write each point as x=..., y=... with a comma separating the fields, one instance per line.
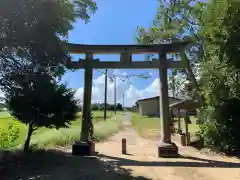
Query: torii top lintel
x=134, y=49
x=126, y=52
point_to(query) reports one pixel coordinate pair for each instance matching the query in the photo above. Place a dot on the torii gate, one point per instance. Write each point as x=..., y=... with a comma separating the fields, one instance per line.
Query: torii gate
x=165, y=148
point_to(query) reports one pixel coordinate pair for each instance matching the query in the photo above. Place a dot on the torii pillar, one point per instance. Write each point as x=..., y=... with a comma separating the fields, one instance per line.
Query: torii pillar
x=85, y=146
x=166, y=148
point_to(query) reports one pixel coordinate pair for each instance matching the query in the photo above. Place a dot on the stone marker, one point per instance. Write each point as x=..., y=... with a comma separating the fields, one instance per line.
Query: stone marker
x=183, y=139
x=124, y=146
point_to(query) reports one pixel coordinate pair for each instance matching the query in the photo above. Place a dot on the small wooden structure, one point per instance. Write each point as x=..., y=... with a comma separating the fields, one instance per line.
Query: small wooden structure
x=185, y=106
x=166, y=148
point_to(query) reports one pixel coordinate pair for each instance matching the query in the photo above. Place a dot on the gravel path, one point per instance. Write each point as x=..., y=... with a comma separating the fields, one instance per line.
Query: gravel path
x=143, y=160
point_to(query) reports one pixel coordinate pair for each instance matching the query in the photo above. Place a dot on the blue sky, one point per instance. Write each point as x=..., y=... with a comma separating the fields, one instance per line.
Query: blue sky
x=115, y=22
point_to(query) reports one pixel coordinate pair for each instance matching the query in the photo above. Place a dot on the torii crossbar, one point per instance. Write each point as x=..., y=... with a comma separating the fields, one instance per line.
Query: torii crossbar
x=165, y=148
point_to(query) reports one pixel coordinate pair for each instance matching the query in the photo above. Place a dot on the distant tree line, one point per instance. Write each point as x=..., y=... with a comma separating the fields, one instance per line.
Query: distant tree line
x=110, y=107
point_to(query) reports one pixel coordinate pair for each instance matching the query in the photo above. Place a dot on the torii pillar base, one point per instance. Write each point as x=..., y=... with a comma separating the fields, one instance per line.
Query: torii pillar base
x=82, y=148
x=167, y=150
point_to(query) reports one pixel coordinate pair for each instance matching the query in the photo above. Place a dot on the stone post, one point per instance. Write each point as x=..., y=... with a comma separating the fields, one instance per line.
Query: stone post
x=124, y=146
x=166, y=148
x=84, y=147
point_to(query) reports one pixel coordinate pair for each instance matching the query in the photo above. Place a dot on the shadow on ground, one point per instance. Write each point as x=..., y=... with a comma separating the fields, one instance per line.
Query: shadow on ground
x=194, y=162
x=58, y=165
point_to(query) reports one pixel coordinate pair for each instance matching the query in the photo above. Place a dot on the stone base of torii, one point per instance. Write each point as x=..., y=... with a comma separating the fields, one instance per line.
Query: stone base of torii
x=85, y=146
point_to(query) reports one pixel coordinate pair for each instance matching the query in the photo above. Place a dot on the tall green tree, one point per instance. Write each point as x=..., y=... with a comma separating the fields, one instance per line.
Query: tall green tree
x=178, y=20
x=35, y=32
x=33, y=53
x=214, y=27
x=42, y=102
x=221, y=27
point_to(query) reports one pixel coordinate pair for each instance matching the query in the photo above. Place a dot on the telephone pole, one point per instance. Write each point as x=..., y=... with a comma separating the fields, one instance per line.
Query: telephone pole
x=115, y=94
x=123, y=101
x=105, y=97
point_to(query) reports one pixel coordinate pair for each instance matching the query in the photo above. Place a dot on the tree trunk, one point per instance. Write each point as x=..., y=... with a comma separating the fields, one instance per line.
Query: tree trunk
x=191, y=75
x=27, y=142
x=195, y=84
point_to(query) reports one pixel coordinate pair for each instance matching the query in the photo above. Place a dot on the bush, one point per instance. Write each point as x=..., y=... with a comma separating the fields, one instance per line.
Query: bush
x=9, y=137
x=221, y=130
x=42, y=102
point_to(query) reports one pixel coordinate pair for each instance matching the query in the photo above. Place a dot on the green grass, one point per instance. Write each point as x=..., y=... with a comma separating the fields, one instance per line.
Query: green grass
x=145, y=126
x=45, y=137
x=150, y=127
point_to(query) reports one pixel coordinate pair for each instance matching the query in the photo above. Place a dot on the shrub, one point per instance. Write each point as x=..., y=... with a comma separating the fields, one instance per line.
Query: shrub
x=221, y=130
x=42, y=102
x=9, y=137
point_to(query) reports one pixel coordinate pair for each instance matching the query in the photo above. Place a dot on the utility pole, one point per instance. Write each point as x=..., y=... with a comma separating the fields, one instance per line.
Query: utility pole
x=123, y=101
x=115, y=94
x=105, y=97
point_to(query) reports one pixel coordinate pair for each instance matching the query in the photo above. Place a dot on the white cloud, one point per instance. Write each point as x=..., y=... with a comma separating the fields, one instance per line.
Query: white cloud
x=99, y=86
x=132, y=94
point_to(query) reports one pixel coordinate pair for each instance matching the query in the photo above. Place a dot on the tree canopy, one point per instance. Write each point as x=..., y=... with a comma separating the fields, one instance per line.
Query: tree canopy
x=174, y=21
x=34, y=33
x=42, y=103
x=220, y=29
x=212, y=61
x=33, y=54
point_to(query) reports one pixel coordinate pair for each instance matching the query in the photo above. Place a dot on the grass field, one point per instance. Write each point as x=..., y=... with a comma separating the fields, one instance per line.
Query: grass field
x=45, y=137
x=150, y=127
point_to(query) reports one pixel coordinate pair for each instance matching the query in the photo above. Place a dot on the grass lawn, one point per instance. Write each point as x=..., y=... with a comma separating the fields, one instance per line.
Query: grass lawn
x=45, y=137
x=150, y=127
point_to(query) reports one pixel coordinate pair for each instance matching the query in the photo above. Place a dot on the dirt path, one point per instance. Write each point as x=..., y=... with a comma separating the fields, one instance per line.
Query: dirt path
x=142, y=163
x=143, y=160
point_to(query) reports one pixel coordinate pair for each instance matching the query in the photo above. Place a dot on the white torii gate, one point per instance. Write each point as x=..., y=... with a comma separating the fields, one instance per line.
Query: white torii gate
x=165, y=148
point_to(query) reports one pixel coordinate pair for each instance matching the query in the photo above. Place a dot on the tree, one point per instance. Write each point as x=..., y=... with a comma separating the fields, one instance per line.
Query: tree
x=119, y=107
x=178, y=20
x=213, y=58
x=35, y=32
x=95, y=107
x=111, y=107
x=176, y=85
x=41, y=102
x=220, y=76
x=33, y=36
